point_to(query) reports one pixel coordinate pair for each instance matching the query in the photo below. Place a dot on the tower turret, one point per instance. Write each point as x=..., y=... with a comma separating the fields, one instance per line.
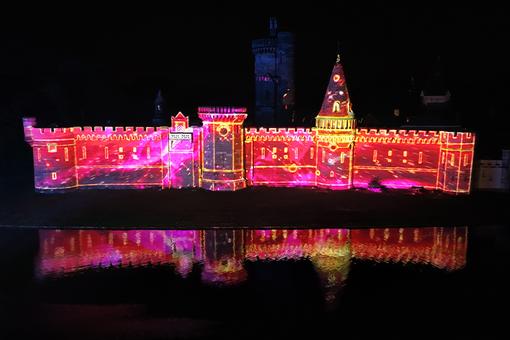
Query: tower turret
x=159, y=110
x=222, y=148
x=335, y=126
x=274, y=77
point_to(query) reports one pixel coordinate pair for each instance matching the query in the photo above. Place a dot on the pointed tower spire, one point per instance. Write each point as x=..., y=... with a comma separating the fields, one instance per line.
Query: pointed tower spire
x=336, y=101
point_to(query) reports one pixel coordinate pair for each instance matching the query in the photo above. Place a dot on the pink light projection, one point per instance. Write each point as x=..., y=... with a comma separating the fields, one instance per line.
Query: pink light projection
x=222, y=155
x=222, y=254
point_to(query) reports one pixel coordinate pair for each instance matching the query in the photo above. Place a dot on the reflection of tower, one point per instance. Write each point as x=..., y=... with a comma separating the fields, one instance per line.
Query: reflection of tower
x=335, y=125
x=274, y=77
x=223, y=256
x=222, y=148
x=159, y=111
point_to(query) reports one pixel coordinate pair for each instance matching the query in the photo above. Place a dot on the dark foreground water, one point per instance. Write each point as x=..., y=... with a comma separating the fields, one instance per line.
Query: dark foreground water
x=400, y=283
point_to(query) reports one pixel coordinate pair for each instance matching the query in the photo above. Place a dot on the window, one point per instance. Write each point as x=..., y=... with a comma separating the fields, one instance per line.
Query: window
x=106, y=152
x=312, y=151
x=66, y=154
x=323, y=155
x=452, y=159
x=83, y=152
x=148, y=152
x=420, y=157
x=52, y=147
x=405, y=153
x=466, y=160
x=54, y=176
x=443, y=158
x=390, y=152
x=342, y=157
x=38, y=154
x=374, y=156
x=263, y=153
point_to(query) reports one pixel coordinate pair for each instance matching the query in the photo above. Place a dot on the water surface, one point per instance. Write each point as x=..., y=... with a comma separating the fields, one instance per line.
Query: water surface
x=253, y=283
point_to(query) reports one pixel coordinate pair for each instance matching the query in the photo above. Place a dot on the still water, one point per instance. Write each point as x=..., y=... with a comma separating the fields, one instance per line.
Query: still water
x=400, y=283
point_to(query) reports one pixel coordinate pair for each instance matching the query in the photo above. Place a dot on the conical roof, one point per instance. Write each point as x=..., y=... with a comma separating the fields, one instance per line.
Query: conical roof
x=336, y=101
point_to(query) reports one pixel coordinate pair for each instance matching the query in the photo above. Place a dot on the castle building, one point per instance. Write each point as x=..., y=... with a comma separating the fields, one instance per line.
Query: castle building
x=222, y=155
x=274, y=77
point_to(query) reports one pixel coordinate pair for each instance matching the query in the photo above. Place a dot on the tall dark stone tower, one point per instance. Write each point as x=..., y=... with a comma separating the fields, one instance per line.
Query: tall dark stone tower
x=274, y=77
x=160, y=117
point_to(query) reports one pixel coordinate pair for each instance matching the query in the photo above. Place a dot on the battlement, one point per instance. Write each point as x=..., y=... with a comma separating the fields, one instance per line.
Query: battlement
x=98, y=132
x=279, y=134
x=118, y=129
x=264, y=45
x=448, y=137
x=221, y=109
x=51, y=133
x=397, y=136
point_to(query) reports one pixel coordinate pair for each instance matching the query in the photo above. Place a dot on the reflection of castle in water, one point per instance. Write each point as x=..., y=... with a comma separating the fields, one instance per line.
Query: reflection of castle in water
x=223, y=252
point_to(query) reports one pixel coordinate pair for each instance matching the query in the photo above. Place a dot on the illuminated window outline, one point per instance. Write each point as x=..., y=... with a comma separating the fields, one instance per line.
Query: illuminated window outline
x=66, y=154
x=466, y=162
x=374, y=156
x=83, y=152
x=420, y=157
x=106, y=153
x=342, y=157
x=263, y=152
x=54, y=176
x=52, y=147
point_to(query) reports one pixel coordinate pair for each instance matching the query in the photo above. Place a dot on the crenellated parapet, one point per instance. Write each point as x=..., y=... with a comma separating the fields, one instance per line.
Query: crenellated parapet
x=118, y=133
x=279, y=135
x=397, y=136
x=47, y=134
x=448, y=137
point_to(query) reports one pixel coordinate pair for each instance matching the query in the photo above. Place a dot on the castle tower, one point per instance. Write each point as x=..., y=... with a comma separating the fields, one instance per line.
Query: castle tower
x=222, y=148
x=335, y=125
x=274, y=77
x=159, y=110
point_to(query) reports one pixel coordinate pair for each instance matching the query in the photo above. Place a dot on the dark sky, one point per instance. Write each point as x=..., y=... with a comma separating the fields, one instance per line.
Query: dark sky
x=88, y=66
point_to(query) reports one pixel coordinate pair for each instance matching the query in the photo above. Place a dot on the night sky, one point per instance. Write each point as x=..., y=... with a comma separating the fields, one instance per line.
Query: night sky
x=95, y=66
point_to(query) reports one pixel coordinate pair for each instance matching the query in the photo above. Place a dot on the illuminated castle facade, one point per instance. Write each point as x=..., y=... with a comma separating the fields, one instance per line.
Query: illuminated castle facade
x=222, y=155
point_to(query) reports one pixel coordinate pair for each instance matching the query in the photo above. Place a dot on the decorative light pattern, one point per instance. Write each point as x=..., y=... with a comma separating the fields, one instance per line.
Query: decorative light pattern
x=221, y=155
x=222, y=253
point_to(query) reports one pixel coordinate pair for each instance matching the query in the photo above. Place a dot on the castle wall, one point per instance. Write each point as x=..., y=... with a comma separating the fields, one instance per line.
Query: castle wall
x=222, y=155
x=396, y=159
x=280, y=157
x=121, y=157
